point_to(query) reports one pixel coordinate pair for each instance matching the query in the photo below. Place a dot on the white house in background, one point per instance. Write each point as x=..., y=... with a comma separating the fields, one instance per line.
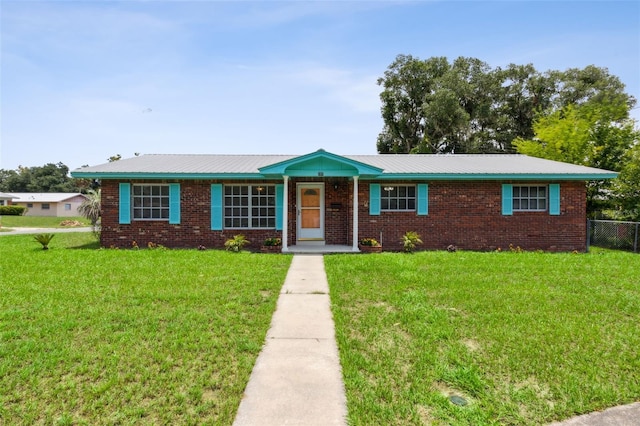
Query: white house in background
x=57, y=204
x=5, y=199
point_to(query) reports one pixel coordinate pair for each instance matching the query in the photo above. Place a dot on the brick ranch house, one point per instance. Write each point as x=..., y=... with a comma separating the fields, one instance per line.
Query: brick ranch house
x=475, y=202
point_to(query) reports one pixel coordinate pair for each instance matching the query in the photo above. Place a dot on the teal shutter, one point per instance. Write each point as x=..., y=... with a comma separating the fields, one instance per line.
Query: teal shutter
x=374, y=199
x=125, y=204
x=279, y=206
x=216, y=207
x=507, y=199
x=423, y=199
x=554, y=199
x=174, y=203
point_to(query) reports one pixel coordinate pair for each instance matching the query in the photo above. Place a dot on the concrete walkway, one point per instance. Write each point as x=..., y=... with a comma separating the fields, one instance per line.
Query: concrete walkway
x=297, y=378
x=624, y=415
x=15, y=231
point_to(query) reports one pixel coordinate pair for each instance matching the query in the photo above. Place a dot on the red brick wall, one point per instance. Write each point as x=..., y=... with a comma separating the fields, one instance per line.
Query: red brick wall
x=195, y=221
x=465, y=214
x=469, y=216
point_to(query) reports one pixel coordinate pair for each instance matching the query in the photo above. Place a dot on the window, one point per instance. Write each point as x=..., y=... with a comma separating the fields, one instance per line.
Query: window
x=45, y=206
x=29, y=205
x=1, y=202
x=67, y=206
x=529, y=198
x=397, y=197
x=151, y=202
x=250, y=206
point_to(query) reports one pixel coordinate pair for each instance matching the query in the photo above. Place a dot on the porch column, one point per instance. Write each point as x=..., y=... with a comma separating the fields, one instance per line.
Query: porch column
x=285, y=214
x=355, y=214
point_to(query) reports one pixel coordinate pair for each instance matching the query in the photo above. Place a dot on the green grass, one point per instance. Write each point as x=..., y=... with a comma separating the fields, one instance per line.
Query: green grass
x=37, y=221
x=98, y=336
x=526, y=338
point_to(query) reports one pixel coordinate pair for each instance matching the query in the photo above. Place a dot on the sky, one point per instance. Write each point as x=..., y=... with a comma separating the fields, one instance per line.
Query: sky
x=81, y=81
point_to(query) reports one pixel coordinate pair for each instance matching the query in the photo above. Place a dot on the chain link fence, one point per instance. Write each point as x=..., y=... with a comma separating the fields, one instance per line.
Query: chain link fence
x=614, y=234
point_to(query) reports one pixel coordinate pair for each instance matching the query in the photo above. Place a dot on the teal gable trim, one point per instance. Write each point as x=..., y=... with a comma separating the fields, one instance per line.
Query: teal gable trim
x=124, y=209
x=374, y=199
x=554, y=199
x=216, y=207
x=507, y=199
x=279, y=206
x=423, y=199
x=320, y=163
x=174, y=203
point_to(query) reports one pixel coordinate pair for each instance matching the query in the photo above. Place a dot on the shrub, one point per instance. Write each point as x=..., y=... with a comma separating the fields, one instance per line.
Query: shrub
x=12, y=210
x=236, y=243
x=272, y=242
x=410, y=240
x=370, y=242
x=44, y=239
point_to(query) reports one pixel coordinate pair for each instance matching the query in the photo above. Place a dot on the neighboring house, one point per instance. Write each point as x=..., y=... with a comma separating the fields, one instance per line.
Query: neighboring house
x=475, y=202
x=58, y=204
x=5, y=199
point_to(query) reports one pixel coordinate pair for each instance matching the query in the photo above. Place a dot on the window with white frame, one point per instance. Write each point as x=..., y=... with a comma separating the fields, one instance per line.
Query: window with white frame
x=530, y=198
x=67, y=206
x=250, y=206
x=150, y=202
x=397, y=197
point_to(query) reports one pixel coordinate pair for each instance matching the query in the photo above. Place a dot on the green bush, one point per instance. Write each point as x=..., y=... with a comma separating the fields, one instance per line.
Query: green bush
x=369, y=242
x=410, y=240
x=272, y=242
x=236, y=243
x=12, y=210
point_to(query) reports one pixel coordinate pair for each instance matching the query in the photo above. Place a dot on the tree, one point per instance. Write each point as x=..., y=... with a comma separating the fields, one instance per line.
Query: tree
x=48, y=178
x=406, y=84
x=434, y=106
x=6, y=179
x=91, y=208
x=627, y=187
x=595, y=134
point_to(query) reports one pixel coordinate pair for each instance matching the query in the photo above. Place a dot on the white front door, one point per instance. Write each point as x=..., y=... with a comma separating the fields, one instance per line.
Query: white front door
x=310, y=202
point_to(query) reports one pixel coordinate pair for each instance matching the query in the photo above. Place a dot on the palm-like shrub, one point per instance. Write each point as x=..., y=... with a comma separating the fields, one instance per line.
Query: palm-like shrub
x=44, y=239
x=91, y=209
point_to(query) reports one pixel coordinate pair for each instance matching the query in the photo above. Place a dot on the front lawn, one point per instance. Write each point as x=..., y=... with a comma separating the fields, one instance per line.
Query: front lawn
x=99, y=336
x=524, y=338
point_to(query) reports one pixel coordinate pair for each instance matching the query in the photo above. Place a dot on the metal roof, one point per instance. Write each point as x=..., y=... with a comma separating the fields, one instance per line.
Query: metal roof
x=413, y=166
x=43, y=197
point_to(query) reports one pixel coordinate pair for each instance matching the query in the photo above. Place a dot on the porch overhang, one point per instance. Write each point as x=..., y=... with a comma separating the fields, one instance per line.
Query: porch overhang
x=320, y=164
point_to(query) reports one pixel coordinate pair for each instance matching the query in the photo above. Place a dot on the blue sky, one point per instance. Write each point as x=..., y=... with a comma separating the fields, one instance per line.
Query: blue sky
x=84, y=80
